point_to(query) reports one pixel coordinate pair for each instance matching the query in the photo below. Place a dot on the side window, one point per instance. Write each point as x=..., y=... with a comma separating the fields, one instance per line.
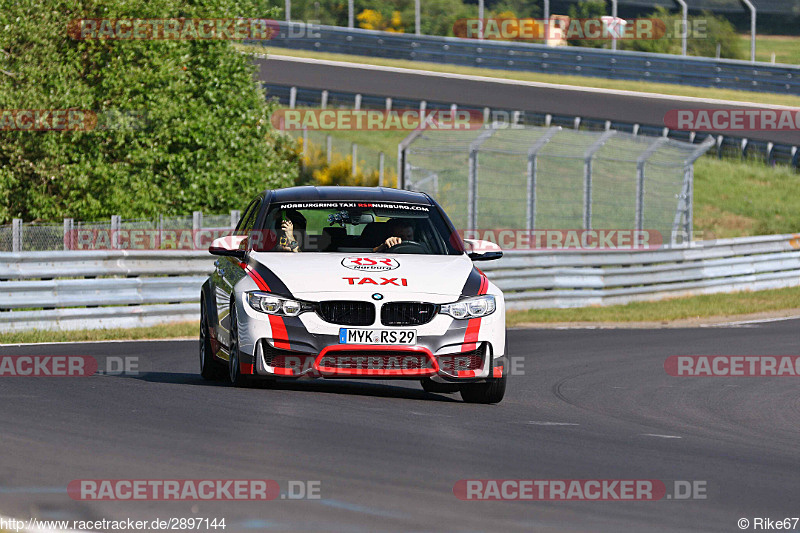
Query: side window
x=249, y=216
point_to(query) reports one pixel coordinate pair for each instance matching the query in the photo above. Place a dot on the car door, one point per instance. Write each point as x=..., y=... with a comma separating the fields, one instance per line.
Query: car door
x=228, y=272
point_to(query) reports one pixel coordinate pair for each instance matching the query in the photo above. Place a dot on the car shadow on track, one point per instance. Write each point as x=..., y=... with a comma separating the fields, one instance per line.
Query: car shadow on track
x=354, y=388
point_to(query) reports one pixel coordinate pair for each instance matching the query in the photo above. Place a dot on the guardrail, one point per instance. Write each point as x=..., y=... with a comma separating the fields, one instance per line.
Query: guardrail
x=116, y=289
x=540, y=279
x=725, y=145
x=105, y=289
x=506, y=55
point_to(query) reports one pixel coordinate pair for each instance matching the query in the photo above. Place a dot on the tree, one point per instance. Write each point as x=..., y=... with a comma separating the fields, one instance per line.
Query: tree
x=588, y=9
x=196, y=134
x=706, y=31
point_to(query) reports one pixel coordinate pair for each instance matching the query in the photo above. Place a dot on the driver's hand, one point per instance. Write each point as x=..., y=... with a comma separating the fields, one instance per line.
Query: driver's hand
x=392, y=241
x=287, y=228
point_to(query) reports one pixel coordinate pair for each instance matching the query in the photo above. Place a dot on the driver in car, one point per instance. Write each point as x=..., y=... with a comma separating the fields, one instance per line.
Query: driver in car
x=400, y=230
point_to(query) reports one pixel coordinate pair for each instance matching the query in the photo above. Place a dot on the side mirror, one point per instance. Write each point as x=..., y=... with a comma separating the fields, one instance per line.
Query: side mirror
x=228, y=246
x=482, y=250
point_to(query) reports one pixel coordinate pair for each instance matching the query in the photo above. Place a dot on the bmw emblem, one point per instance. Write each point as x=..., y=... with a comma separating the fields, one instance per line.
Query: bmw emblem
x=377, y=296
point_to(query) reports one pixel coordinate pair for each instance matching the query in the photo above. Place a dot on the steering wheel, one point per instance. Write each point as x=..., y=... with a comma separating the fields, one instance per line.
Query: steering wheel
x=407, y=247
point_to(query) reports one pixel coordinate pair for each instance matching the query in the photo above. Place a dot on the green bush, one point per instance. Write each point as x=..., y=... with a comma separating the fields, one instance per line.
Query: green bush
x=206, y=143
x=718, y=30
x=588, y=9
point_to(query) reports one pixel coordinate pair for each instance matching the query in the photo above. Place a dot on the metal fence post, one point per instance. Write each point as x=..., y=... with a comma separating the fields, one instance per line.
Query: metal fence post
x=116, y=223
x=353, y=159
x=197, y=221
x=684, y=209
x=350, y=10
x=472, y=177
x=305, y=148
x=402, y=163
x=689, y=179
x=381, y=163
x=587, y=176
x=531, y=174
x=640, y=162
x=235, y=214
x=328, y=148
x=357, y=102
x=324, y=99
x=16, y=235
x=689, y=226
x=292, y=97
x=388, y=104
x=69, y=236
x=472, y=190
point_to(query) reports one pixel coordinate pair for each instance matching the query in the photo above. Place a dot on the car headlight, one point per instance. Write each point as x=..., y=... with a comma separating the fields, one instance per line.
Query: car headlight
x=474, y=307
x=275, y=305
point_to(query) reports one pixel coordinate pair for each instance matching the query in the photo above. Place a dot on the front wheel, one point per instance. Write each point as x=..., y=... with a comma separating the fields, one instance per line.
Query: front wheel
x=489, y=392
x=235, y=375
x=210, y=368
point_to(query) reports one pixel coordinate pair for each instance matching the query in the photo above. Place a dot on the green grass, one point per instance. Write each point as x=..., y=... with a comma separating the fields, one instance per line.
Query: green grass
x=584, y=81
x=703, y=306
x=694, y=307
x=785, y=47
x=735, y=198
x=166, y=331
x=379, y=141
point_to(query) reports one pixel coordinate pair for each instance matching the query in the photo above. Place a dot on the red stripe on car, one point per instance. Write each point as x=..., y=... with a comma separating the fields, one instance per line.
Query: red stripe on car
x=279, y=335
x=255, y=276
x=471, y=335
x=484, y=283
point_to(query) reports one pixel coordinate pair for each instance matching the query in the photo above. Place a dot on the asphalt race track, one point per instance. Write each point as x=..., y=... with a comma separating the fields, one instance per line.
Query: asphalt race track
x=478, y=93
x=591, y=404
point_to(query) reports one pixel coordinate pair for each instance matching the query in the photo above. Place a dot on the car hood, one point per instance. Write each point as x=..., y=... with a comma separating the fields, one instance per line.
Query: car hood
x=395, y=276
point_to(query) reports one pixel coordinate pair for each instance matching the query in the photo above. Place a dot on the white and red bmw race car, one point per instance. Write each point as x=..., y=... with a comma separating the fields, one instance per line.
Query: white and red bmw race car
x=353, y=282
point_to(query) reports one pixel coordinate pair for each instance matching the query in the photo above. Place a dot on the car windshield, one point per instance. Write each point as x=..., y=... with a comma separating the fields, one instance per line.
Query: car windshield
x=362, y=227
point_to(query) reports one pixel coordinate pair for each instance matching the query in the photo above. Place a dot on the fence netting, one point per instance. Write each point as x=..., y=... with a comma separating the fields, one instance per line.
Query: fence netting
x=552, y=178
x=162, y=232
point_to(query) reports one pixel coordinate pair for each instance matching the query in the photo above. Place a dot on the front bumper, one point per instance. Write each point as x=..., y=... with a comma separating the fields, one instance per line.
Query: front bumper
x=380, y=362
x=446, y=350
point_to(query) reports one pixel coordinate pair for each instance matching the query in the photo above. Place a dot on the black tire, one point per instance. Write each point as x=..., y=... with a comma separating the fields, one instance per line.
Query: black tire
x=428, y=385
x=235, y=376
x=489, y=392
x=210, y=368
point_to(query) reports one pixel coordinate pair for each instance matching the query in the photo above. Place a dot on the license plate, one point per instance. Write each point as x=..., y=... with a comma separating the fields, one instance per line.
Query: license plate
x=377, y=336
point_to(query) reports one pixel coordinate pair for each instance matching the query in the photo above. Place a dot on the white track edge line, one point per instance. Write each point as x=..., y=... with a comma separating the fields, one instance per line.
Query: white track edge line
x=543, y=85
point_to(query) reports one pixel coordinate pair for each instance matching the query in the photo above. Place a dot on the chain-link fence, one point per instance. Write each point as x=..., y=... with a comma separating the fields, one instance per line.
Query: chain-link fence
x=322, y=147
x=162, y=232
x=532, y=178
